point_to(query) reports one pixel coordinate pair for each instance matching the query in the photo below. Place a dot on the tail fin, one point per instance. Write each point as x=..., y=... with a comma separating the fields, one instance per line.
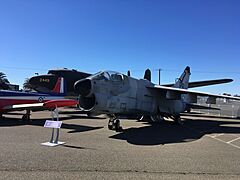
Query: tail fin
x=147, y=75
x=59, y=87
x=183, y=81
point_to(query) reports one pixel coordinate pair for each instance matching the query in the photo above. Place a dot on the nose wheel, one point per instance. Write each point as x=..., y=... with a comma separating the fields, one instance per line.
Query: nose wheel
x=114, y=124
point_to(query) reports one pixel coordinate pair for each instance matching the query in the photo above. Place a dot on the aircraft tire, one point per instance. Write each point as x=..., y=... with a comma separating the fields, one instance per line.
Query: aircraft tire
x=156, y=119
x=26, y=117
x=110, y=124
x=118, y=128
x=110, y=127
x=177, y=120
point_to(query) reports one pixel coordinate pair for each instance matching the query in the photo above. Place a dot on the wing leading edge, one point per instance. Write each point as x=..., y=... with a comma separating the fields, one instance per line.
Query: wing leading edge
x=204, y=83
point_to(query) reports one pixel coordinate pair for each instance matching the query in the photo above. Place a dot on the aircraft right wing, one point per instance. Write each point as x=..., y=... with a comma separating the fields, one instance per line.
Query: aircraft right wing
x=42, y=106
x=196, y=106
x=204, y=83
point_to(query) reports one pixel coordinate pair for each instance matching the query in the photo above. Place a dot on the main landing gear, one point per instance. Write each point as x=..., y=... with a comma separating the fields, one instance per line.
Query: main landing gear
x=177, y=120
x=157, y=119
x=160, y=119
x=26, y=117
x=114, y=124
x=151, y=119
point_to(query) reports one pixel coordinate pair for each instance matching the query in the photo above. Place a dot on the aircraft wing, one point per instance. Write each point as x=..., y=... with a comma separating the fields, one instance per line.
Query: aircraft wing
x=196, y=106
x=41, y=106
x=204, y=83
x=20, y=107
x=175, y=93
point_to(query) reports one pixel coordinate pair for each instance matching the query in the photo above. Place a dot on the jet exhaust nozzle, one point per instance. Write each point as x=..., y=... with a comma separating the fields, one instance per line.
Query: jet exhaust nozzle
x=83, y=87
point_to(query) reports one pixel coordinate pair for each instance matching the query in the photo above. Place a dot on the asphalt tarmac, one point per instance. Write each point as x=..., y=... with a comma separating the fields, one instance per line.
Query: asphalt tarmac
x=202, y=148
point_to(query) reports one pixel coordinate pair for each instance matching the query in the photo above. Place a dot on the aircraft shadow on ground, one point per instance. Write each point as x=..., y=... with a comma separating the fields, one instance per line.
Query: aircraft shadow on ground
x=168, y=132
x=74, y=128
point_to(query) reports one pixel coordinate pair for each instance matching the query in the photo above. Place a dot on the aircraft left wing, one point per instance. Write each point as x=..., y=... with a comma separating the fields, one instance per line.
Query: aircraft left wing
x=196, y=106
x=40, y=106
x=204, y=83
x=175, y=93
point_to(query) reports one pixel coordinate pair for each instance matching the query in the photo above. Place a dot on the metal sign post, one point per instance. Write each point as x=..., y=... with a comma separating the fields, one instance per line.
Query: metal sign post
x=55, y=125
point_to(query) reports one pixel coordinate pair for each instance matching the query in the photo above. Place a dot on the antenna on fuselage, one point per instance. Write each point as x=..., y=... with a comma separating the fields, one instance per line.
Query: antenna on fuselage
x=147, y=75
x=128, y=73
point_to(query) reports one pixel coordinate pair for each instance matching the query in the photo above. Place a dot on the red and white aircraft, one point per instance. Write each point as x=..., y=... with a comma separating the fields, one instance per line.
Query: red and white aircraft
x=33, y=101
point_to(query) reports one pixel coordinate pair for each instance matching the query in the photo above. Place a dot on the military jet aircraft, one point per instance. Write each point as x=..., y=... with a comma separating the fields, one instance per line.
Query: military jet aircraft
x=116, y=94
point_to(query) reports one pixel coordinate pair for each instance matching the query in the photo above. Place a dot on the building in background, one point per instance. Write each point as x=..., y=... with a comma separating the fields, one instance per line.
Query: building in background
x=228, y=108
x=13, y=87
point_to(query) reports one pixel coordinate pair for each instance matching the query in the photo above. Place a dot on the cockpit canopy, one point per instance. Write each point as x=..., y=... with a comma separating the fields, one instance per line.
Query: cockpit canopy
x=107, y=75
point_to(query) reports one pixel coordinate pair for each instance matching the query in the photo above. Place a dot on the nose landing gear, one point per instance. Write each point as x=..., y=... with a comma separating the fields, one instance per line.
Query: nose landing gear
x=114, y=124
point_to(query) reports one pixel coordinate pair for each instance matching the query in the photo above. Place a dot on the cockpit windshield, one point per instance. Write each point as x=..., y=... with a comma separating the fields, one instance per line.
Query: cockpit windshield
x=100, y=75
x=107, y=75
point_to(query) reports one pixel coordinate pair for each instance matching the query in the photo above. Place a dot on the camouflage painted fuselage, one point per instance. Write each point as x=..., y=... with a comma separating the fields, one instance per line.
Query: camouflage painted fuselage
x=115, y=93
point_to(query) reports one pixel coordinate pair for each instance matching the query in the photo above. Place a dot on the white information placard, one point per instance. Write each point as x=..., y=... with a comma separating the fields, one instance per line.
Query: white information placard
x=53, y=124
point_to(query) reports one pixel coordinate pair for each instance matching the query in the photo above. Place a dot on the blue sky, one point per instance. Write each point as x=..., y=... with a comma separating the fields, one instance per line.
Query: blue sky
x=93, y=35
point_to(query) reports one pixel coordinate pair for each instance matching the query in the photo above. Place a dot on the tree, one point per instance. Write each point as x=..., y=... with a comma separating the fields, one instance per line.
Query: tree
x=3, y=81
x=26, y=85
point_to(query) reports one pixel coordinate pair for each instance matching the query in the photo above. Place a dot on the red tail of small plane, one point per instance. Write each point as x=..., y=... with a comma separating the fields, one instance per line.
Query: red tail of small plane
x=59, y=87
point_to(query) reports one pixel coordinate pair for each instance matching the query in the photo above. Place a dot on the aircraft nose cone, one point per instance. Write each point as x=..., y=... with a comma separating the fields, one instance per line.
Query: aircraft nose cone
x=83, y=87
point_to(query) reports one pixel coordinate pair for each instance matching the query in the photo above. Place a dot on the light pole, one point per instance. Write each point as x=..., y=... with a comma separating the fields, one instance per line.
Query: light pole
x=159, y=76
